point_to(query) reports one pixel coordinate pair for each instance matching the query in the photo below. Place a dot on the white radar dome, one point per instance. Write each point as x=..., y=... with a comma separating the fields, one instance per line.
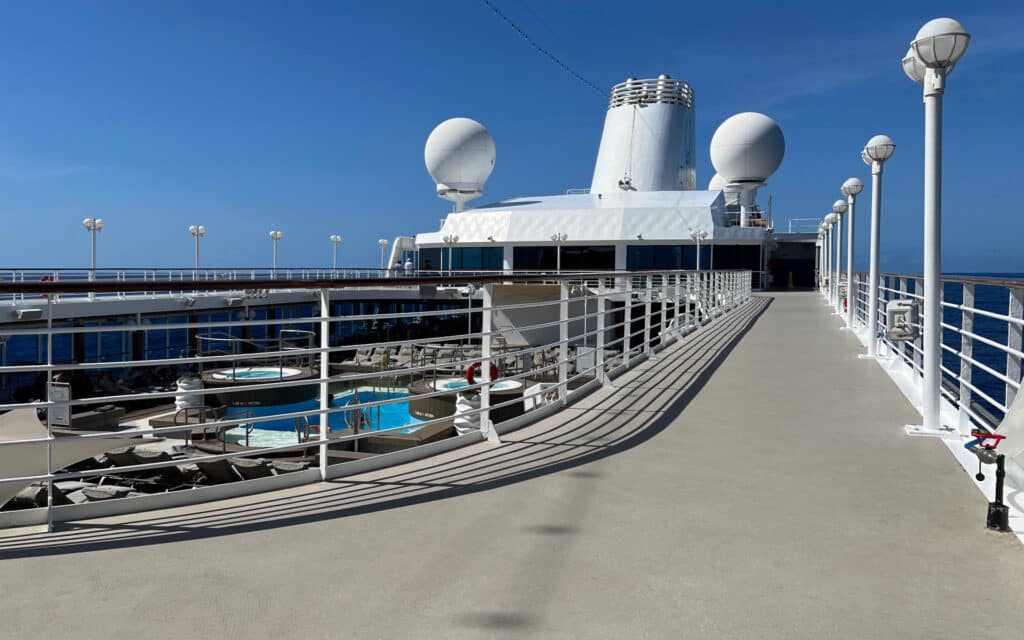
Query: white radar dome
x=717, y=183
x=459, y=155
x=747, y=147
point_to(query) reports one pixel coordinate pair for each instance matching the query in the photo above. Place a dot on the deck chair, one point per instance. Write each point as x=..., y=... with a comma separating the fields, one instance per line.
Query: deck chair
x=218, y=471
x=250, y=469
x=283, y=466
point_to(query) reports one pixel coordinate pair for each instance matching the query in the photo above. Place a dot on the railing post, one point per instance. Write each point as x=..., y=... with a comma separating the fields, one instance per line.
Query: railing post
x=563, y=342
x=627, y=327
x=664, y=310
x=325, y=372
x=967, y=351
x=648, y=284
x=487, y=326
x=602, y=376
x=1014, y=341
x=919, y=341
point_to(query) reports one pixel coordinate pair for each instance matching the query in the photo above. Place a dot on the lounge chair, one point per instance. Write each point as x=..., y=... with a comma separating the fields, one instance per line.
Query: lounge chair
x=250, y=469
x=108, y=492
x=218, y=471
x=283, y=466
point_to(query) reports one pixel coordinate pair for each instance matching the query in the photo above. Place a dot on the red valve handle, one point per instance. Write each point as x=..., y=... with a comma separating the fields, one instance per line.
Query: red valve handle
x=984, y=435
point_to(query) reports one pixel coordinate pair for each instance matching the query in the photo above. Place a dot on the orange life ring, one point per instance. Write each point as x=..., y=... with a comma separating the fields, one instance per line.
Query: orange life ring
x=471, y=372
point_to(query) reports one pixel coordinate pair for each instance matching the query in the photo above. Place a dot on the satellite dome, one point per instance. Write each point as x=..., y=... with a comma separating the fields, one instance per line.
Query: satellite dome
x=717, y=183
x=747, y=147
x=459, y=155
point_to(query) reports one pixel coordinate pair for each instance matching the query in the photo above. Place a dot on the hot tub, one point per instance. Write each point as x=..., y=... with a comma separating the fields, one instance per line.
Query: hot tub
x=444, y=405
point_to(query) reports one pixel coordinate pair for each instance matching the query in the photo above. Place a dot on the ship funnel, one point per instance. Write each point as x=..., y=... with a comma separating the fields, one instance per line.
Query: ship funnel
x=648, y=138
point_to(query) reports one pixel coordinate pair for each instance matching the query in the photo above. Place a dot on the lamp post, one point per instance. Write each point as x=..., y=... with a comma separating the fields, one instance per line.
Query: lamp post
x=383, y=242
x=335, y=240
x=276, y=237
x=838, y=209
x=830, y=252
x=697, y=236
x=934, y=51
x=851, y=188
x=875, y=153
x=450, y=240
x=559, y=239
x=93, y=226
x=197, y=231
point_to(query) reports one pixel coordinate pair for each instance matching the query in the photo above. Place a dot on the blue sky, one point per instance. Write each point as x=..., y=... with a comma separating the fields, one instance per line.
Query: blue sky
x=310, y=117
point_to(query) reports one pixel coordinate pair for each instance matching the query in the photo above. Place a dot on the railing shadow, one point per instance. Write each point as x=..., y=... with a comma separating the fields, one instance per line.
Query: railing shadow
x=644, y=403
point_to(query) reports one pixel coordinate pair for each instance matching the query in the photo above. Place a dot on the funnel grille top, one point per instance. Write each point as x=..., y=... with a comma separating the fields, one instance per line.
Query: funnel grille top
x=660, y=90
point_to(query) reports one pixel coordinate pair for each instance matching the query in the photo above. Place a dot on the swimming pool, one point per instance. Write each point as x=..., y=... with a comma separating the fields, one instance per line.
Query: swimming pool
x=255, y=373
x=270, y=433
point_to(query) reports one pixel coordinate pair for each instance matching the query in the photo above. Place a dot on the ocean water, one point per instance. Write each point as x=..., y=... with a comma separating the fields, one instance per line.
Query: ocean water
x=994, y=299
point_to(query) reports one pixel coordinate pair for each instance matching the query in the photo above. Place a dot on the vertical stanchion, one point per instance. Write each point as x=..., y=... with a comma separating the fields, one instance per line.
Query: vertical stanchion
x=602, y=375
x=627, y=327
x=563, y=342
x=648, y=284
x=49, y=412
x=1014, y=340
x=919, y=342
x=325, y=372
x=966, y=351
x=487, y=326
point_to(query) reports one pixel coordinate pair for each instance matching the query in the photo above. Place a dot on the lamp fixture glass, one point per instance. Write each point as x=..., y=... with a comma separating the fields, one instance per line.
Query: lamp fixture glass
x=940, y=43
x=879, y=149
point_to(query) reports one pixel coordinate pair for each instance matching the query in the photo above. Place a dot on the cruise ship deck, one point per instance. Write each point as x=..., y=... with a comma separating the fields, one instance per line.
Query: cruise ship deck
x=726, y=489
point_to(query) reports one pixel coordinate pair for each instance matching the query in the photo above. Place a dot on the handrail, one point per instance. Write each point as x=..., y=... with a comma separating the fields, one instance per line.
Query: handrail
x=597, y=324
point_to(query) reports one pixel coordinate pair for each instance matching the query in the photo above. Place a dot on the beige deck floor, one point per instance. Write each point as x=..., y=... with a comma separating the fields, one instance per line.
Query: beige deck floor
x=753, y=482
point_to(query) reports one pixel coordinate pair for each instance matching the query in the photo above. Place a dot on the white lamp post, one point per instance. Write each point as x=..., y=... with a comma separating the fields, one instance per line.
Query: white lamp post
x=276, y=237
x=697, y=236
x=450, y=240
x=850, y=189
x=559, y=239
x=934, y=51
x=830, y=252
x=335, y=240
x=93, y=226
x=197, y=231
x=383, y=242
x=838, y=209
x=875, y=153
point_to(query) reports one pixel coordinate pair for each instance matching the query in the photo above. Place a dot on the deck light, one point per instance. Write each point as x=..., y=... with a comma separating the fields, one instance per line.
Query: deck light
x=93, y=226
x=875, y=153
x=851, y=188
x=450, y=240
x=559, y=239
x=197, y=231
x=383, y=242
x=276, y=236
x=697, y=236
x=335, y=240
x=839, y=207
x=936, y=48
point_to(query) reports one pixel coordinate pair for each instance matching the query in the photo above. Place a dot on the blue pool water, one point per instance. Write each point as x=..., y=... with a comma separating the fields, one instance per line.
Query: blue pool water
x=376, y=418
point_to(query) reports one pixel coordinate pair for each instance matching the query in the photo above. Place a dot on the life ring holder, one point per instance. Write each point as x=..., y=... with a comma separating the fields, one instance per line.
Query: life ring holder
x=477, y=366
x=46, y=296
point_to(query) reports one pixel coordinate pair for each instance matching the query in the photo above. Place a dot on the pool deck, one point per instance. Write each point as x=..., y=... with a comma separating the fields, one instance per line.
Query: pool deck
x=752, y=482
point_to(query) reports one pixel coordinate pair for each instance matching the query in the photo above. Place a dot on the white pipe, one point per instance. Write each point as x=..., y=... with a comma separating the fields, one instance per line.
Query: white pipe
x=876, y=222
x=932, y=250
x=851, y=292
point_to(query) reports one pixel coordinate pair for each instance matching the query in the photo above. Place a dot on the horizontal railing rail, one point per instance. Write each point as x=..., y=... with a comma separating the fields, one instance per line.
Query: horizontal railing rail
x=982, y=350
x=586, y=327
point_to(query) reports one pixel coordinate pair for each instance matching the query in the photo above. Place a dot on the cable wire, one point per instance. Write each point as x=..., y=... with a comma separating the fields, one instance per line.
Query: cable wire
x=533, y=43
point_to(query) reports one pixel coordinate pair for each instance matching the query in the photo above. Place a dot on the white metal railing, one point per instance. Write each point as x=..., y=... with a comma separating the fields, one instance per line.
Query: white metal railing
x=983, y=321
x=597, y=325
